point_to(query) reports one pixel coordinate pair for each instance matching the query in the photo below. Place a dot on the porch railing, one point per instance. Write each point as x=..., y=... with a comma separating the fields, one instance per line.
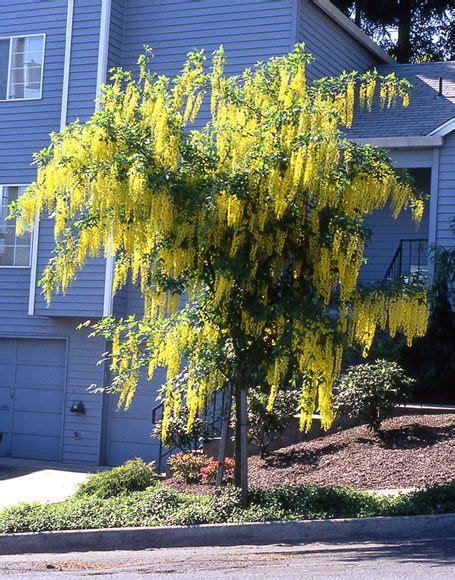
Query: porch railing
x=409, y=261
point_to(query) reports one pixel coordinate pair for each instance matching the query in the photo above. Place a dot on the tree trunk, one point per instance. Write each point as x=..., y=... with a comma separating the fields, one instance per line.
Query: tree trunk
x=223, y=441
x=241, y=436
x=358, y=13
x=237, y=439
x=244, y=444
x=404, y=51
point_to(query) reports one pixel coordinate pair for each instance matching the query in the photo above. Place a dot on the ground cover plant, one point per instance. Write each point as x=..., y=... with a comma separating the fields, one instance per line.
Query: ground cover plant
x=157, y=506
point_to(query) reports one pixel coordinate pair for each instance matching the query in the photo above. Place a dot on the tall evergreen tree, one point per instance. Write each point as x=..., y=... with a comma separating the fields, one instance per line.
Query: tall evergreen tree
x=425, y=28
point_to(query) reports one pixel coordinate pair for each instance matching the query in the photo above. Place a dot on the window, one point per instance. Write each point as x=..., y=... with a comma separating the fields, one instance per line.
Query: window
x=14, y=250
x=21, y=67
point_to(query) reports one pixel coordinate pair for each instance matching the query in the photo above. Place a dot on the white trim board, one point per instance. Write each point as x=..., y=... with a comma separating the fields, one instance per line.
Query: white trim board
x=353, y=29
x=67, y=63
x=402, y=142
x=444, y=129
x=100, y=81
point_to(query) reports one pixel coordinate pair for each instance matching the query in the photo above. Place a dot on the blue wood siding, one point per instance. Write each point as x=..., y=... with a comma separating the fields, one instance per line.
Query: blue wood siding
x=116, y=37
x=86, y=295
x=386, y=232
x=446, y=193
x=333, y=48
x=249, y=30
x=24, y=128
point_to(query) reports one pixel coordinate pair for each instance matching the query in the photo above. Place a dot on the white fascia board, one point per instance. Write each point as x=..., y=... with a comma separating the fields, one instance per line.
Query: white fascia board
x=444, y=129
x=353, y=29
x=418, y=142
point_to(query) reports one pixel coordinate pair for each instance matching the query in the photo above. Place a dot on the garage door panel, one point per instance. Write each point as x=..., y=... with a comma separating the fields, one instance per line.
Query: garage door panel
x=5, y=428
x=141, y=406
x=131, y=429
x=121, y=451
x=7, y=349
x=36, y=351
x=41, y=400
x=6, y=374
x=5, y=397
x=40, y=376
x=43, y=447
x=31, y=419
x=27, y=422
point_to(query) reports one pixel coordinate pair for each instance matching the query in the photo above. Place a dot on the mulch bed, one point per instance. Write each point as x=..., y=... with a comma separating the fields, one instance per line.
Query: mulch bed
x=411, y=452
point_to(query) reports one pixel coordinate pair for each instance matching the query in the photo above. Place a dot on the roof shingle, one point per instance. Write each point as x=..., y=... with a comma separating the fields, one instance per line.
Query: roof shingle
x=427, y=110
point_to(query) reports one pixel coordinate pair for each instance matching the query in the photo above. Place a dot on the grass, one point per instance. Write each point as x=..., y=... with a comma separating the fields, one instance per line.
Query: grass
x=158, y=506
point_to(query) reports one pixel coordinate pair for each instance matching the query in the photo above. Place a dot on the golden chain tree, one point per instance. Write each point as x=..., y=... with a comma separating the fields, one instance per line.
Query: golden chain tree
x=257, y=218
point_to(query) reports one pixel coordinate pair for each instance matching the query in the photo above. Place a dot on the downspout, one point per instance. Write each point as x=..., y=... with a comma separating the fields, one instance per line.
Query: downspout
x=100, y=81
x=63, y=115
x=433, y=217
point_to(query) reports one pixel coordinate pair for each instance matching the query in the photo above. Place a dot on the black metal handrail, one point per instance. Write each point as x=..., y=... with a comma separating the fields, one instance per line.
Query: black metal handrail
x=212, y=415
x=410, y=259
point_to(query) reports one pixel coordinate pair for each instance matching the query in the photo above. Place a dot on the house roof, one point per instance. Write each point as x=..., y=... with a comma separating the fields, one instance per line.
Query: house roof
x=427, y=112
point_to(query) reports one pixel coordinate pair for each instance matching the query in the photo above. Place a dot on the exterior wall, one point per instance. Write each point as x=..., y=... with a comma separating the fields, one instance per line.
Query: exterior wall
x=86, y=295
x=249, y=30
x=387, y=232
x=24, y=128
x=446, y=193
x=333, y=48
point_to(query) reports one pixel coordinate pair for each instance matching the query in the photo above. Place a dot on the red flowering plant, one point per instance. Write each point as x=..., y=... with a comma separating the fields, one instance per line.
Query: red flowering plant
x=208, y=473
x=187, y=466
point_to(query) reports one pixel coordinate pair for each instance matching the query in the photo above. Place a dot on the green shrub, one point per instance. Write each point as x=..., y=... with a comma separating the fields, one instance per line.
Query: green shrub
x=266, y=425
x=178, y=435
x=187, y=466
x=134, y=475
x=371, y=391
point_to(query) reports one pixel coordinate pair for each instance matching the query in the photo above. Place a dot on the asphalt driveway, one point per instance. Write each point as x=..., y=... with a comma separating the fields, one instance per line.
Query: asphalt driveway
x=24, y=480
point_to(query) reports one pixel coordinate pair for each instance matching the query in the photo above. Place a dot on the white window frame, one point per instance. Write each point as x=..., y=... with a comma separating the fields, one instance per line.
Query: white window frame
x=32, y=234
x=11, y=38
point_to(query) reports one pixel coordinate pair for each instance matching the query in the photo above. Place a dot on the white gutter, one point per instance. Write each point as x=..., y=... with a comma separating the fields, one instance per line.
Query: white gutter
x=353, y=29
x=419, y=142
x=100, y=81
x=63, y=115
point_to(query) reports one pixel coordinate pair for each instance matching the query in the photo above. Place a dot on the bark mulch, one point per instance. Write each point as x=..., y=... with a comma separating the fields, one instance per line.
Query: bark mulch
x=411, y=452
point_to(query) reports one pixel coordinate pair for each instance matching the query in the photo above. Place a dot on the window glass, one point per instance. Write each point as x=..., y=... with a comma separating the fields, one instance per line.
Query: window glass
x=14, y=250
x=4, y=60
x=21, y=67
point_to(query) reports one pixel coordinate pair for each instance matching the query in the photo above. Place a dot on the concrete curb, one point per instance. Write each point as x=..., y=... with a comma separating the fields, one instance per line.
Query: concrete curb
x=381, y=529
